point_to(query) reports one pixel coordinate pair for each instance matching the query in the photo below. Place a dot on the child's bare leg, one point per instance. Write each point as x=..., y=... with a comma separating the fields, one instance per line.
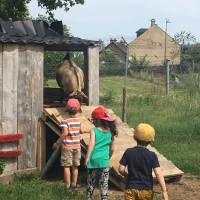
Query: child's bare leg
x=67, y=176
x=75, y=175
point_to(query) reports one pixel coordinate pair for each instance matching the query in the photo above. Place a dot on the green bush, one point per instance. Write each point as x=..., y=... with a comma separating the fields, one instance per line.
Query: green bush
x=112, y=70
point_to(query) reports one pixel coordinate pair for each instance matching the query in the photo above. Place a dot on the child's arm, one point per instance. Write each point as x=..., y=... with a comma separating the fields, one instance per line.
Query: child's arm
x=122, y=170
x=161, y=181
x=60, y=139
x=90, y=146
x=123, y=165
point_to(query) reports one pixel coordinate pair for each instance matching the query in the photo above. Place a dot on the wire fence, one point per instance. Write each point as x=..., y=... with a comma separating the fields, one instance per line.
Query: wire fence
x=185, y=77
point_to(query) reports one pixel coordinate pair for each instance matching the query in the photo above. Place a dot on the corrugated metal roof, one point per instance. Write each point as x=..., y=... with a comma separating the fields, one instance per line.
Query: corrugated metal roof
x=39, y=32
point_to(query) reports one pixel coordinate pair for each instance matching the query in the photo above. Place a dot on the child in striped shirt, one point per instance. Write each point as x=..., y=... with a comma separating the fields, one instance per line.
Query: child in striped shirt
x=70, y=140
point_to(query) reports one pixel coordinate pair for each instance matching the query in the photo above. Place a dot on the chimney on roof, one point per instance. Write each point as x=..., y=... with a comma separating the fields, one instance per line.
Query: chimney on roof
x=153, y=22
x=113, y=40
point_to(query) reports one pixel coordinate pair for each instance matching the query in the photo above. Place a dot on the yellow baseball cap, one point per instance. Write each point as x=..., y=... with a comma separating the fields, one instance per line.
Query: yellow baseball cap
x=145, y=132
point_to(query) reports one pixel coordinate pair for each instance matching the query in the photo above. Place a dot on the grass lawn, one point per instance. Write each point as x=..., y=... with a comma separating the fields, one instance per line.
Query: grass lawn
x=176, y=118
x=31, y=187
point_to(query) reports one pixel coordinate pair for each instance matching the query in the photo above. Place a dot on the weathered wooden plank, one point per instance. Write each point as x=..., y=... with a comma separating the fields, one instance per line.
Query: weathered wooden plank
x=29, y=101
x=58, y=114
x=1, y=87
x=37, y=57
x=24, y=105
x=41, y=145
x=85, y=71
x=9, y=111
x=93, y=75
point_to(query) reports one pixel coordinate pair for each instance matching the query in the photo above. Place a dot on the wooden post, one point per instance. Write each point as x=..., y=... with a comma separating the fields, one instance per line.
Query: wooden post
x=124, y=105
x=30, y=101
x=41, y=145
x=1, y=87
x=24, y=106
x=93, y=75
x=167, y=77
x=9, y=98
x=37, y=95
x=86, y=82
x=125, y=83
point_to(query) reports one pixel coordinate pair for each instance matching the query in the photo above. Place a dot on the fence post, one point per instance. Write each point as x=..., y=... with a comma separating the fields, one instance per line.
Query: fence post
x=124, y=103
x=167, y=77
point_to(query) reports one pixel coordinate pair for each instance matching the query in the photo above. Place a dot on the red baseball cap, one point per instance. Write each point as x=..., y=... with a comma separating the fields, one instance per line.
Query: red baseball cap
x=73, y=103
x=101, y=113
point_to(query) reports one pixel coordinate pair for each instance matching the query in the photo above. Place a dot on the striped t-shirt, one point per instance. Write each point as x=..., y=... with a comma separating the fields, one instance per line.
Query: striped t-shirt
x=72, y=140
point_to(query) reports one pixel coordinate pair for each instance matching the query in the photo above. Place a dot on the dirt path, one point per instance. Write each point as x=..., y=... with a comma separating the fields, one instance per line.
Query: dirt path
x=188, y=188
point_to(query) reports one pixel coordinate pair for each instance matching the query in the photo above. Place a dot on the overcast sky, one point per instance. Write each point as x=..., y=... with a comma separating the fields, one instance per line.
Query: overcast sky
x=104, y=19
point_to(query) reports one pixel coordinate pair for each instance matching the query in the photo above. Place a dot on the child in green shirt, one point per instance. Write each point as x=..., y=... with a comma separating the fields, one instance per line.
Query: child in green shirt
x=99, y=151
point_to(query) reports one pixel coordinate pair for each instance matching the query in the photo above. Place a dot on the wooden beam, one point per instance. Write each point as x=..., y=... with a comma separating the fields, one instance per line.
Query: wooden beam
x=65, y=48
x=86, y=82
x=10, y=137
x=36, y=96
x=9, y=97
x=10, y=153
x=41, y=145
x=93, y=75
x=24, y=105
x=1, y=87
x=30, y=101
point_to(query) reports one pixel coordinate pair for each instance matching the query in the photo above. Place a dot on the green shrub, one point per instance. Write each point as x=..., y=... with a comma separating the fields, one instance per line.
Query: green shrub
x=112, y=70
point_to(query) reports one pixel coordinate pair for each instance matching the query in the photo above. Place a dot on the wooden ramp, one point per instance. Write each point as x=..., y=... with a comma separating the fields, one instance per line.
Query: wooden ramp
x=54, y=116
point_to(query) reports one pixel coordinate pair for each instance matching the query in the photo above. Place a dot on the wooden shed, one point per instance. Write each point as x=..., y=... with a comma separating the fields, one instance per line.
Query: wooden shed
x=22, y=47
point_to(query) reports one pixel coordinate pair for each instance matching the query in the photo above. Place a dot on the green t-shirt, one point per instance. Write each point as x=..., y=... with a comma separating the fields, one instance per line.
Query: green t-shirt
x=99, y=157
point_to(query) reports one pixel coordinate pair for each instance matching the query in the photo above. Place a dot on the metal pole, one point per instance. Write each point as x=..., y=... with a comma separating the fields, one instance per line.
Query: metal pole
x=167, y=77
x=126, y=70
x=124, y=103
x=165, y=49
x=166, y=62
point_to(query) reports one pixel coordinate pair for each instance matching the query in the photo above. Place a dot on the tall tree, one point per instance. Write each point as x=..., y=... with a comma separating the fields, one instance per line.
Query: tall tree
x=14, y=9
x=184, y=38
x=52, y=5
x=18, y=10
